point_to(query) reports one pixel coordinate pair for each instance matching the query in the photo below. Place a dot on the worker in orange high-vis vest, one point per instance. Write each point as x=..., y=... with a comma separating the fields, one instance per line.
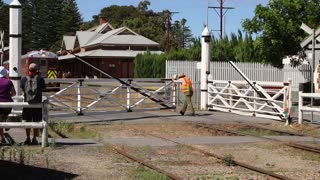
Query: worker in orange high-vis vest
x=187, y=90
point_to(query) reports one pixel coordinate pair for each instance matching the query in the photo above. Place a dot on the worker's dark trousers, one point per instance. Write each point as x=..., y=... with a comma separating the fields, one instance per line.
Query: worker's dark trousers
x=187, y=100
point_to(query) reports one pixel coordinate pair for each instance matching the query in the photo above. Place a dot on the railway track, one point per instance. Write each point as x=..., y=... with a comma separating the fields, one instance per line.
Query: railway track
x=206, y=153
x=290, y=144
x=146, y=164
x=241, y=164
x=275, y=130
x=210, y=154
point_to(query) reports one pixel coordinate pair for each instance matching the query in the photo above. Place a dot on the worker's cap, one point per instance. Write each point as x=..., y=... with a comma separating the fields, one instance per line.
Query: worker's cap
x=182, y=75
x=33, y=67
x=3, y=71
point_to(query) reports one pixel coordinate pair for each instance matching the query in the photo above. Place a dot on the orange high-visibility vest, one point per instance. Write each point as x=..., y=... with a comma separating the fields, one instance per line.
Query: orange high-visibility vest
x=186, y=85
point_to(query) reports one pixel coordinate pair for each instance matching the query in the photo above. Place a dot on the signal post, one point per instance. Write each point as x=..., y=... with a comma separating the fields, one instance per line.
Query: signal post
x=15, y=34
x=205, y=66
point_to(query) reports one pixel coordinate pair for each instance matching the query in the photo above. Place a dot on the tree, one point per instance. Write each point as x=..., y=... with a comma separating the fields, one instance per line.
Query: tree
x=143, y=5
x=145, y=22
x=4, y=20
x=69, y=22
x=186, y=34
x=278, y=27
x=28, y=10
x=44, y=22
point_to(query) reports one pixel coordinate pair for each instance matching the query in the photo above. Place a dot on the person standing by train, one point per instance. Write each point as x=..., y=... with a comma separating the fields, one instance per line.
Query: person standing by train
x=32, y=86
x=187, y=90
x=6, y=92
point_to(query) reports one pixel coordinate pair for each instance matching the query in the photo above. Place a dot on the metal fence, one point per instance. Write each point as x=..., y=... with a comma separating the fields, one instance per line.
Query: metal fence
x=254, y=71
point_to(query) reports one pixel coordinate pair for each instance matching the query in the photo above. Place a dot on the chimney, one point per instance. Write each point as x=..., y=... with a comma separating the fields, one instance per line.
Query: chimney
x=102, y=20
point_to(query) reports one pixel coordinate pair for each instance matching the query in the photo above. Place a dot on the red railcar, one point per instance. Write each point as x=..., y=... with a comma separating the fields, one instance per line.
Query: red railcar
x=47, y=62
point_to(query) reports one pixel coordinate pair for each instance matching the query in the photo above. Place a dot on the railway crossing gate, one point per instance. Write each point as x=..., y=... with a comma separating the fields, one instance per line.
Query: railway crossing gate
x=133, y=93
x=247, y=97
x=100, y=95
x=312, y=50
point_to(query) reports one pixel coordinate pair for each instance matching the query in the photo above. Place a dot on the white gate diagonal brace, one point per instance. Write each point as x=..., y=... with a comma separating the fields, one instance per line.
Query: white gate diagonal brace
x=260, y=92
x=143, y=92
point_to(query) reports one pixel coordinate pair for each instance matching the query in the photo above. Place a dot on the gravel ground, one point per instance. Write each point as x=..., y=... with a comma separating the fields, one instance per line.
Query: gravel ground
x=100, y=162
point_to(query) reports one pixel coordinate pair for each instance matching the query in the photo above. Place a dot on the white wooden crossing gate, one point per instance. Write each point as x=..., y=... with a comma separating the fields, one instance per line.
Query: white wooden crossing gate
x=240, y=98
x=97, y=95
x=154, y=96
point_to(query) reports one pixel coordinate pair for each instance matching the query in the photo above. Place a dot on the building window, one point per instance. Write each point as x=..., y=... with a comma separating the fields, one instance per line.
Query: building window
x=112, y=68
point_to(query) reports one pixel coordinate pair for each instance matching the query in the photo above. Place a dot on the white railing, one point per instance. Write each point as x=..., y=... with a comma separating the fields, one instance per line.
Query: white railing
x=302, y=107
x=40, y=125
x=240, y=98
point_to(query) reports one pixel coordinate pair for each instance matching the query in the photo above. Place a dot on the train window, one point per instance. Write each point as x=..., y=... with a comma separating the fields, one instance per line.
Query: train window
x=42, y=62
x=52, y=63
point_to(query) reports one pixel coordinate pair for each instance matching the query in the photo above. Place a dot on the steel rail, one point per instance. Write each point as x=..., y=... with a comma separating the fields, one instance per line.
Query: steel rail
x=290, y=144
x=270, y=129
x=276, y=130
x=241, y=164
x=144, y=163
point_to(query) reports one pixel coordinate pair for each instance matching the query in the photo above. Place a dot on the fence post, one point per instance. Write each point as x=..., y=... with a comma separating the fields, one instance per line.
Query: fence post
x=44, y=123
x=79, y=109
x=230, y=94
x=300, y=116
x=174, y=95
x=290, y=96
x=255, y=95
x=129, y=96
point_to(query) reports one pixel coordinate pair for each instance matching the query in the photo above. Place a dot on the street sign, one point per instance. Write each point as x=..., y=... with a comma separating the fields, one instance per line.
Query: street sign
x=172, y=70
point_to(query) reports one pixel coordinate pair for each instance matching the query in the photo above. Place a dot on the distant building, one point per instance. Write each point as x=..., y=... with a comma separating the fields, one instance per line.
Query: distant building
x=111, y=50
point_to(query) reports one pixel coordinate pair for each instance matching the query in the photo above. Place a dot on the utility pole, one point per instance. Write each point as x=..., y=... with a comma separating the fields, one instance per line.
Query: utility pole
x=169, y=14
x=221, y=14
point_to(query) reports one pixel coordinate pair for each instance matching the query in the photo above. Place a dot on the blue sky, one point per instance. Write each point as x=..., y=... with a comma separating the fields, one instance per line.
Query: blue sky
x=195, y=11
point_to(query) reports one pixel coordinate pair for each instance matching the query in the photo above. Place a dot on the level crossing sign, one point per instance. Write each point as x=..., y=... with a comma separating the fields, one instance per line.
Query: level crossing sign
x=306, y=43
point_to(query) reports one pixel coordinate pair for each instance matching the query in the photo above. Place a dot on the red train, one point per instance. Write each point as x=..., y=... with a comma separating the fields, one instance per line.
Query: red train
x=47, y=62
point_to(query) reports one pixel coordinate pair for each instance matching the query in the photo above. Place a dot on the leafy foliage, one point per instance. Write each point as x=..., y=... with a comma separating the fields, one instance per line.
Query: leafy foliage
x=44, y=22
x=146, y=23
x=4, y=21
x=150, y=65
x=278, y=26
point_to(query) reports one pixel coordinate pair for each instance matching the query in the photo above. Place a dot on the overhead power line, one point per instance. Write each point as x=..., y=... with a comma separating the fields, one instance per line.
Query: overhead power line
x=221, y=14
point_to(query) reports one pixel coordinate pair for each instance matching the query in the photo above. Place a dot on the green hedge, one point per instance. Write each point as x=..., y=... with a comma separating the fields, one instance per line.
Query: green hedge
x=150, y=65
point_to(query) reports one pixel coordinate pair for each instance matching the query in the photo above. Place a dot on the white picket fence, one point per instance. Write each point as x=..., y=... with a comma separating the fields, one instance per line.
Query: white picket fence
x=254, y=71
